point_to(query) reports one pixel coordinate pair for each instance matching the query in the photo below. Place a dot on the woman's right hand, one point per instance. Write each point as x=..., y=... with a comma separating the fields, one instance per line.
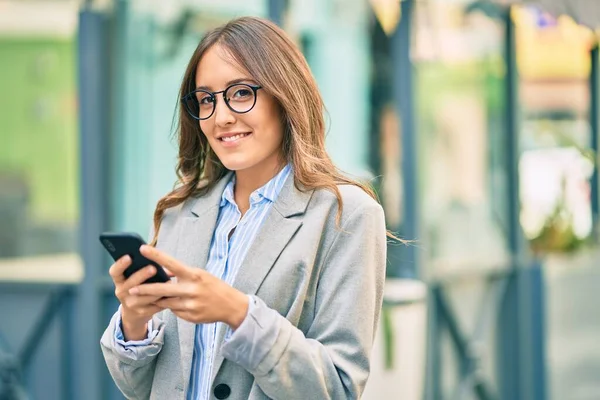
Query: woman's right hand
x=136, y=311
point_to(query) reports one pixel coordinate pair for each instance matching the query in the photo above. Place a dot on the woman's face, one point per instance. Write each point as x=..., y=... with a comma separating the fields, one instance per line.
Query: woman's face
x=243, y=142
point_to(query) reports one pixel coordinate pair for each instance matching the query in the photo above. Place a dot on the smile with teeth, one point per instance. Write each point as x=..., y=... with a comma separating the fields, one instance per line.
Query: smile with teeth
x=234, y=138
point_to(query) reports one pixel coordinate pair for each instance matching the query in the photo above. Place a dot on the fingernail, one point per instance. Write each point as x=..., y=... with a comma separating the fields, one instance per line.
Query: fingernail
x=134, y=291
x=151, y=271
x=126, y=259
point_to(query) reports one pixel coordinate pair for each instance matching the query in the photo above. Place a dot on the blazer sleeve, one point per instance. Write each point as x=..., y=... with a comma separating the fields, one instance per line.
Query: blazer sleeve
x=332, y=360
x=132, y=371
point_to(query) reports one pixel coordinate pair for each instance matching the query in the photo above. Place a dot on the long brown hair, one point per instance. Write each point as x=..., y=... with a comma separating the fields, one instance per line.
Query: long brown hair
x=274, y=62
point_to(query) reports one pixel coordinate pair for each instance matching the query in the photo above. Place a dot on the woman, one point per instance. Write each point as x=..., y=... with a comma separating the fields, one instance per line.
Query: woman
x=279, y=259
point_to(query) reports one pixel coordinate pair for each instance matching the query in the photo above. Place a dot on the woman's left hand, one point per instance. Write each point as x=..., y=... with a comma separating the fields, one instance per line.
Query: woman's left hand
x=197, y=296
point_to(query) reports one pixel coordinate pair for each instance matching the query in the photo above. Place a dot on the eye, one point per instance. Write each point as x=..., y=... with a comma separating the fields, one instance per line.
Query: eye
x=205, y=98
x=242, y=93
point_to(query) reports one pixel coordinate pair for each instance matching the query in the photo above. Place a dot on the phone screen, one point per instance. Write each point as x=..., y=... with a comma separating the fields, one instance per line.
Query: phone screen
x=119, y=244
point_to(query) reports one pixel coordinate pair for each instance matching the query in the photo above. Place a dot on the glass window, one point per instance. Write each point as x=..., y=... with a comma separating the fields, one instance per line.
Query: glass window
x=38, y=189
x=459, y=80
x=459, y=73
x=39, y=151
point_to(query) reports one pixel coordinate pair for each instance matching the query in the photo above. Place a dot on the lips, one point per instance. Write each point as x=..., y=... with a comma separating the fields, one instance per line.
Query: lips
x=233, y=138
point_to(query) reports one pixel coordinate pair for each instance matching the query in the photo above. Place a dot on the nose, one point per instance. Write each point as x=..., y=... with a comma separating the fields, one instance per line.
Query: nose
x=223, y=115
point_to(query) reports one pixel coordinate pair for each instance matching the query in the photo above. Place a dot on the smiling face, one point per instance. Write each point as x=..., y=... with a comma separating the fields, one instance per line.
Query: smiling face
x=251, y=141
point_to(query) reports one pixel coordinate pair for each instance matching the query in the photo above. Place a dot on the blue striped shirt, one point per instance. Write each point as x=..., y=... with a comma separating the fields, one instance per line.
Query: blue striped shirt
x=224, y=259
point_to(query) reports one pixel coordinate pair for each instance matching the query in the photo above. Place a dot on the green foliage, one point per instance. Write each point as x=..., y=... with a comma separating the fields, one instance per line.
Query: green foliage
x=557, y=234
x=436, y=79
x=38, y=110
x=388, y=336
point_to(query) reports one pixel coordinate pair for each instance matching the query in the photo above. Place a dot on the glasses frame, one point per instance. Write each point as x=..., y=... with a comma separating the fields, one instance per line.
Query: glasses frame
x=192, y=96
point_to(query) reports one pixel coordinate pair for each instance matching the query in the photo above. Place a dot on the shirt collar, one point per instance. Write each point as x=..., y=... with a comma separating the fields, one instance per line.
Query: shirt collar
x=269, y=191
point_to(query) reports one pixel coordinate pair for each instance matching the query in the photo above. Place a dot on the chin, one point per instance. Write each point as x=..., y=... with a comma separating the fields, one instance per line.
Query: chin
x=236, y=165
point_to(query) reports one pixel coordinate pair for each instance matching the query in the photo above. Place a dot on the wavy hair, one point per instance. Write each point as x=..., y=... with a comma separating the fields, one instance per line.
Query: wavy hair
x=274, y=62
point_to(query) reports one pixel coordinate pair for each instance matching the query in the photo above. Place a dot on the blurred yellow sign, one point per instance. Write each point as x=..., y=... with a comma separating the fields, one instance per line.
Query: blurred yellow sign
x=557, y=51
x=387, y=13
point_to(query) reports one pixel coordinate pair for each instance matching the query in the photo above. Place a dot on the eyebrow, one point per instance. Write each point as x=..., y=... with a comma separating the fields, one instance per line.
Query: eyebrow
x=232, y=82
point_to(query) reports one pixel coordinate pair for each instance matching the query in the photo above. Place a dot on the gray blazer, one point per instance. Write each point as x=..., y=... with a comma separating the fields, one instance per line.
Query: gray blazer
x=325, y=283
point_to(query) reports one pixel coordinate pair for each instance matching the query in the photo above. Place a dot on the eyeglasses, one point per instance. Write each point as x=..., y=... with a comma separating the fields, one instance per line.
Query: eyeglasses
x=239, y=97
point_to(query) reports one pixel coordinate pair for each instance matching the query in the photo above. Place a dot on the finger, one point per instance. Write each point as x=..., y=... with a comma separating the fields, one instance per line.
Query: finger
x=118, y=268
x=172, y=303
x=138, y=277
x=167, y=289
x=151, y=309
x=173, y=265
x=137, y=302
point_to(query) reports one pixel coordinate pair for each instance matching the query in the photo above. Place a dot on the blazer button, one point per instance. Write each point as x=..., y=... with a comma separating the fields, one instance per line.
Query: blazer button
x=222, y=391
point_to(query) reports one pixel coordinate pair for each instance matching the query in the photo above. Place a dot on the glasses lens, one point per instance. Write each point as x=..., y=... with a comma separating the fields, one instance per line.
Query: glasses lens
x=241, y=98
x=200, y=104
x=206, y=104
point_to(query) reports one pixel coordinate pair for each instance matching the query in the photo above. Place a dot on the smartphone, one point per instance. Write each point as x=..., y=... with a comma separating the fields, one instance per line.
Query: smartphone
x=120, y=244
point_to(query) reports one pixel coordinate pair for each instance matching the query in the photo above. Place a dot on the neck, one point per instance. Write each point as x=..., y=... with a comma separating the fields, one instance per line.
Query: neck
x=247, y=181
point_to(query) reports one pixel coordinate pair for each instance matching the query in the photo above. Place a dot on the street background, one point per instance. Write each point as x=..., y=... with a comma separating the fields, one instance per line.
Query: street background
x=476, y=121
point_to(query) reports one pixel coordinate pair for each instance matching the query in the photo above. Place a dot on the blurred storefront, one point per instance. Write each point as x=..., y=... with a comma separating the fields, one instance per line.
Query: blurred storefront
x=38, y=110
x=39, y=200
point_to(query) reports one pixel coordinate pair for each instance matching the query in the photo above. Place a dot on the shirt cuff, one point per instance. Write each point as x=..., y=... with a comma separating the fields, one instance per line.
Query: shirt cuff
x=230, y=331
x=120, y=337
x=249, y=344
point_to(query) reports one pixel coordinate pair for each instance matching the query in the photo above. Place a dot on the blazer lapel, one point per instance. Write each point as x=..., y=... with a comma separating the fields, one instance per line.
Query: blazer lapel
x=275, y=233
x=195, y=235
